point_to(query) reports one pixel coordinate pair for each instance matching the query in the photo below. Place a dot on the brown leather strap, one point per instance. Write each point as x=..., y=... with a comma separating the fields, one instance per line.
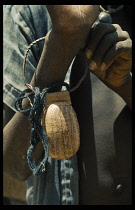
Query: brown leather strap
x=24, y=64
x=81, y=100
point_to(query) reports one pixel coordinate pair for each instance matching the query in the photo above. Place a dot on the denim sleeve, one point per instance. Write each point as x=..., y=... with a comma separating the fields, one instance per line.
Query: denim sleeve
x=22, y=25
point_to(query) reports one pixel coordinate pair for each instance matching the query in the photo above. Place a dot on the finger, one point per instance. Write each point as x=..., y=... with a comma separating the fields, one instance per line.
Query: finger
x=105, y=44
x=97, y=33
x=105, y=17
x=122, y=49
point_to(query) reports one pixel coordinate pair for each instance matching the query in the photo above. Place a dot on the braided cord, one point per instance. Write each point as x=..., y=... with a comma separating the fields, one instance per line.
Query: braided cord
x=24, y=62
x=38, y=133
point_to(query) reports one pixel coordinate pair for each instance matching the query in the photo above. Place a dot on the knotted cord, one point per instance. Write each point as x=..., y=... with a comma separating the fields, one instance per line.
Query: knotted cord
x=38, y=133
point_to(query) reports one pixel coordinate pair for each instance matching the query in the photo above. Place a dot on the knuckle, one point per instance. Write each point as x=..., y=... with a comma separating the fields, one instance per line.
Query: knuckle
x=123, y=47
x=116, y=48
x=119, y=47
x=128, y=44
x=125, y=34
x=117, y=26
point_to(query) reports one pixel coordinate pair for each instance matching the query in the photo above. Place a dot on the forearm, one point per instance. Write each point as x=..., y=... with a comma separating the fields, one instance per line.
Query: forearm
x=56, y=57
x=16, y=138
x=73, y=18
x=60, y=48
x=125, y=92
x=58, y=53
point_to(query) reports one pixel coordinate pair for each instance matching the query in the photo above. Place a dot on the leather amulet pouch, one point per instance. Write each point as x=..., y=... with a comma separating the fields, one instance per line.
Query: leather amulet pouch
x=61, y=125
x=53, y=120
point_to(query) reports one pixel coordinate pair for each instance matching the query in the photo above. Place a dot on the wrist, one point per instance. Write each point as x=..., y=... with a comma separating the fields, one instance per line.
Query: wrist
x=57, y=55
x=125, y=91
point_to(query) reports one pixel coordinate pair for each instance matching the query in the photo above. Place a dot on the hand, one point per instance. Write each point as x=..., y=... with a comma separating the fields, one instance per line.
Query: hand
x=74, y=21
x=72, y=17
x=109, y=53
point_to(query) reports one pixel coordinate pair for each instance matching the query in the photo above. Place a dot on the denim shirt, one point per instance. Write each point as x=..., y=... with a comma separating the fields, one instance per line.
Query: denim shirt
x=101, y=171
x=23, y=24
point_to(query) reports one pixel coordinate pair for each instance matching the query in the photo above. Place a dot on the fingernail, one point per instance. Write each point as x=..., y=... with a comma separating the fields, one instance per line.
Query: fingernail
x=93, y=65
x=88, y=53
x=102, y=67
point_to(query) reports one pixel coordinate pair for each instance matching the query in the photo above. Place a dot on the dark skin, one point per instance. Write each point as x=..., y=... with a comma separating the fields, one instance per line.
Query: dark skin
x=72, y=38
x=15, y=162
x=109, y=53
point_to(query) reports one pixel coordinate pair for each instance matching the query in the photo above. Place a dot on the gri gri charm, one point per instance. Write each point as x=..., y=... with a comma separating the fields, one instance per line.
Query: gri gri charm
x=52, y=118
x=61, y=125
